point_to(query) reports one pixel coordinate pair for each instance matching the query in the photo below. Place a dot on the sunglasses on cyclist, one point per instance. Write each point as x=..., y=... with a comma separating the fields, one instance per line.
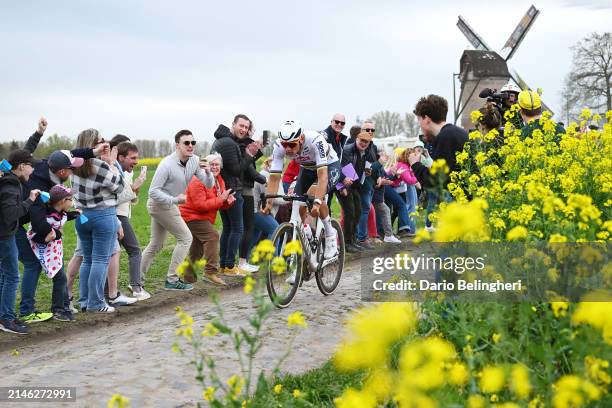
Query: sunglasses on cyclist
x=288, y=144
x=369, y=130
x=339, y=122
x=189, y=142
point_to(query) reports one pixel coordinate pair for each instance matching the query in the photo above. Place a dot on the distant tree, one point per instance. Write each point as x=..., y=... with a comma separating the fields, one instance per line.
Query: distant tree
x=49, y=144
x=411, y=125
x=14, y=145
x=388, y=123
x=164, y=148
x=589, y=83
x=146, y=148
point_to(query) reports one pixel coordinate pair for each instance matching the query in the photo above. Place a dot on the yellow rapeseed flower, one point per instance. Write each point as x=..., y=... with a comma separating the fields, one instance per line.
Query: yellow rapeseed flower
x=278, y=388
x=293, y=247
x=519, y=381
x=517, y=233
x=559, y=308
x=209, y=330
x=492, y=379
x=118, y=401
x=360, y=349
x=279, y=266
x=249, y=283
x=476, y=401
x=296, y=393
x=496, y=337
x=209, y=394
x=597, y=370
x=296, y=319
x=352, y=398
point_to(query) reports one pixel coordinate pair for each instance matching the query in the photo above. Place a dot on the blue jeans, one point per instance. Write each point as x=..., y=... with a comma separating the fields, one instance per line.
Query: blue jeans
x=411, y=206
x=9, y=278
x=98, y=237
x=393, y=199
x=263, y=228
x=362, y=227
x=432, y=202
x=31, y=272
x=233, y=228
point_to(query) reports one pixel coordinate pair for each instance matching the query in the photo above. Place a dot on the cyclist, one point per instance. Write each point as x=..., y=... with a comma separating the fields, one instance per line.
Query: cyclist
x=318, y=163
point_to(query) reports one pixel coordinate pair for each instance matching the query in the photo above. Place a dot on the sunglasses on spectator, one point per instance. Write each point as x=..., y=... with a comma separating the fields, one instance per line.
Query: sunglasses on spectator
x=369, y=130
x=189, y=142
x=288, y=144
x=339, y=122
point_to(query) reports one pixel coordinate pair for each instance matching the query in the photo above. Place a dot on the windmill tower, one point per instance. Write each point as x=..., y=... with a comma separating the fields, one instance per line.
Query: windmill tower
x=484, y=68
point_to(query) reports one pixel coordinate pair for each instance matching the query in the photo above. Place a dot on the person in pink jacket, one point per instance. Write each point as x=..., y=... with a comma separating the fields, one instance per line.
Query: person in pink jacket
x=404, y=173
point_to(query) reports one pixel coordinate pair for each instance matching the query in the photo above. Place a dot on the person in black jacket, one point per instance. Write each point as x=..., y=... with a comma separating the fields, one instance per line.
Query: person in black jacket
x=447, y=139
x=249, y=177
x=337, y=140
x=12, y=208
x=234, y=166
x=349, y=196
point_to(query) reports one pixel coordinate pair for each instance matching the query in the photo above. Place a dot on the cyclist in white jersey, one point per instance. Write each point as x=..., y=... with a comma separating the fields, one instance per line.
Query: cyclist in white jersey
x=318, y=162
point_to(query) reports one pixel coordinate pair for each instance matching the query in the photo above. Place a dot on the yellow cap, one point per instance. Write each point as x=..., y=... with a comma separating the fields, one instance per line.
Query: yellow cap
x=529, y=100
x=398, y=150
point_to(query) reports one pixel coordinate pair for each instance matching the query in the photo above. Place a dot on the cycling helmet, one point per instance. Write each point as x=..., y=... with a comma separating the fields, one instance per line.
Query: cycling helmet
x=290, y=131
x=510, y=87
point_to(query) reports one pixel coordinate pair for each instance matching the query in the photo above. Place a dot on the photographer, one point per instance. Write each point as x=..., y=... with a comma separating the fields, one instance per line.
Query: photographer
x=502, y=100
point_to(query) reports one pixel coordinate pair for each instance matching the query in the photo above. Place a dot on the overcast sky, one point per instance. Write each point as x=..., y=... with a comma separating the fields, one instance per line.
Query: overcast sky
x=150, y=68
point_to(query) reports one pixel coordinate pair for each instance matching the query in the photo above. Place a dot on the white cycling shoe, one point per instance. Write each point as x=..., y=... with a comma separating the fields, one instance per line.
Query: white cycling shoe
x=331, y=245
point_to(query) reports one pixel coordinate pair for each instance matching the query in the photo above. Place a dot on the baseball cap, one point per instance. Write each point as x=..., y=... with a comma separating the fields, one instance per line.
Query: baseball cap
x=59, y=192
x=20, y=156
x=529, y=100
x=419, y=143
x=63, y=159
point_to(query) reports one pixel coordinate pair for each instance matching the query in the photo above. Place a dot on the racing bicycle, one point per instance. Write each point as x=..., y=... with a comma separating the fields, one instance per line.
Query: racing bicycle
x=282, y=287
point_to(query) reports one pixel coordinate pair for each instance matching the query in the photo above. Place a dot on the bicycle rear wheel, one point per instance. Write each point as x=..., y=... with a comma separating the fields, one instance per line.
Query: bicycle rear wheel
x=328, y=277
x=280, y=287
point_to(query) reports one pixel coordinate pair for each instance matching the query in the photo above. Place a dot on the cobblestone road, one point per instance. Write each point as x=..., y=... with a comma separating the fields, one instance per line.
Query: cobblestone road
x=135, y=358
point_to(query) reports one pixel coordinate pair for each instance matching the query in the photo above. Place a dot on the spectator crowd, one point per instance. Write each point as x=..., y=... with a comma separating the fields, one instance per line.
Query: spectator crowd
x=378, y=192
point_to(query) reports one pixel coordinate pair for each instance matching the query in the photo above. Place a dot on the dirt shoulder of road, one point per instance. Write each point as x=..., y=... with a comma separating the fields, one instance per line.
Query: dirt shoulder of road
x=52, y=329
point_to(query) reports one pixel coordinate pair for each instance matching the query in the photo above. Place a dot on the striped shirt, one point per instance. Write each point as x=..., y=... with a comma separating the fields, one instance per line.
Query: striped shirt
x=100, y=189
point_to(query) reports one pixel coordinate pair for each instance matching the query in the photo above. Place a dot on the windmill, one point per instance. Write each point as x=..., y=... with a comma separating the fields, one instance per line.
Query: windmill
x=484, y=68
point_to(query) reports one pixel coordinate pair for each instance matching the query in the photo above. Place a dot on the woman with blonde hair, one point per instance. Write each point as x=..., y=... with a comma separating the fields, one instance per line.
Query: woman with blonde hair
x=200, y=212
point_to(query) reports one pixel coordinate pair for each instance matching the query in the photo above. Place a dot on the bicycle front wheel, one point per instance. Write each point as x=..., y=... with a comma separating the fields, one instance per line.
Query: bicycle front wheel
x=328, y=276
x=283, y=285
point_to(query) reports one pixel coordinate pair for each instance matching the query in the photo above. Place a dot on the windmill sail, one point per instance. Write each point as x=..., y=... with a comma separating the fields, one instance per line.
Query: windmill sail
x=519, y=33
x=477, y=42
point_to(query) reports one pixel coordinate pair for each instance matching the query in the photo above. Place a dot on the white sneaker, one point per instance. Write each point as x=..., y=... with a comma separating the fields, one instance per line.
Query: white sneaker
x=392, y=239
x=141, y=295
x=291, y=279
x=72, y=308
x=430, y=228
x=122, y=300
x=106, y=309
x=331, y=245
x=248, y=267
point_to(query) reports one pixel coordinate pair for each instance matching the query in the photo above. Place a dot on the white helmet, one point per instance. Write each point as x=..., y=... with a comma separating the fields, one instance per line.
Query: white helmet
x=510, y=87
x=290, y=130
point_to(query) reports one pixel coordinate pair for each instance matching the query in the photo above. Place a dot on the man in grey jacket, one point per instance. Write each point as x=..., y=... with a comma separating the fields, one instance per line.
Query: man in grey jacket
x=167, y=190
